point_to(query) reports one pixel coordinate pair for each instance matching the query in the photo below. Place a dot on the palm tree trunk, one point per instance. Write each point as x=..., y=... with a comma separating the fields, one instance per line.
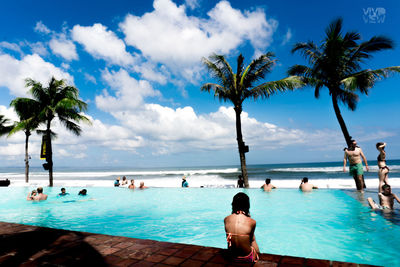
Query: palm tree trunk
x=342, y=124
x=239, y=138
x=27, y=134
x=49, y=153
x=346, y=134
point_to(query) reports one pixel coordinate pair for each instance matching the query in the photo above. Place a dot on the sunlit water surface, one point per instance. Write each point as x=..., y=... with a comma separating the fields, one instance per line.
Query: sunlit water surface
x=324, y=224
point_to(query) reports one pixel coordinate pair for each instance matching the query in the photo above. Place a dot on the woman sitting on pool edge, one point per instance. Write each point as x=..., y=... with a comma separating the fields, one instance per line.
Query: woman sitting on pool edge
x=239, y=228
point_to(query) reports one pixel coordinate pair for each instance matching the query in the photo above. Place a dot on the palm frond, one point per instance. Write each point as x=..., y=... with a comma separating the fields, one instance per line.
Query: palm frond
x=348, y=98
x=267, y=89
x=257, y=70
x=219, y=91
x=366, y=79
x=334, y=29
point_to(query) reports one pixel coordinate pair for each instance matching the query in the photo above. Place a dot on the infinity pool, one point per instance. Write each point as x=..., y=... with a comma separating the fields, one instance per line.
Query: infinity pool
x=324, y=224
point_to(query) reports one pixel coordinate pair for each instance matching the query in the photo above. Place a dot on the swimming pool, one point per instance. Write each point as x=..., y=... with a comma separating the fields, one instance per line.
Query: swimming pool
x=325, y=224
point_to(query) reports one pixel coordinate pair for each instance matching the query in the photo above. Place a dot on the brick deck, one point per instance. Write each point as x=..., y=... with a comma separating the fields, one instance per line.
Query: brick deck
x=24, y=245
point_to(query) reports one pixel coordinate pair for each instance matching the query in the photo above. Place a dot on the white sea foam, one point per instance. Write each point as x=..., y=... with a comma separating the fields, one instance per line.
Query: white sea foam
x=327, y=169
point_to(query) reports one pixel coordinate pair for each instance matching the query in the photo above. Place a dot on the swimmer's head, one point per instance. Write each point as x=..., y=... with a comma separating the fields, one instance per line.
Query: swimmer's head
x=268, y=181
x=241, y=202
x=83, y=192
x=305, y=180
x=40, y=190
x=386, y=188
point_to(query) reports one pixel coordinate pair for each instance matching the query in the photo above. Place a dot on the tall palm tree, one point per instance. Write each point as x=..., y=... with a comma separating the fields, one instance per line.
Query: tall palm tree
x=27, y=110
x=61, y=101
x=245, y=83
x=4, y=128
x=336, y=65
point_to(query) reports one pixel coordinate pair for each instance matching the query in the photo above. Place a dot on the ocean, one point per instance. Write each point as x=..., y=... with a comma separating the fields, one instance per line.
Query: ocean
x=322, y=174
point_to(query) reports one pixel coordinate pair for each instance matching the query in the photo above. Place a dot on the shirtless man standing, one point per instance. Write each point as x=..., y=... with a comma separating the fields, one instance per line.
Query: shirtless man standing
x=268, y=186
x=354, y=154
x=40, y=195
x=386, y=199
x=305, y=186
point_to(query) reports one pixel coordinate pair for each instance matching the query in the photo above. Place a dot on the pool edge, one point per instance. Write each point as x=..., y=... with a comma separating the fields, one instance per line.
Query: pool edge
x=26, y=245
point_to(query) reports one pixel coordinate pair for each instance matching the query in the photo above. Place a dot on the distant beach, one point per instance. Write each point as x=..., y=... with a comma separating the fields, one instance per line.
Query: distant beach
x=323, y=174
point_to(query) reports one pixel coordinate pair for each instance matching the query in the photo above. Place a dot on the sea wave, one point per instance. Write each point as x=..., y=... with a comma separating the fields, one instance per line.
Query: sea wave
x=99, y=174
x=327, y=169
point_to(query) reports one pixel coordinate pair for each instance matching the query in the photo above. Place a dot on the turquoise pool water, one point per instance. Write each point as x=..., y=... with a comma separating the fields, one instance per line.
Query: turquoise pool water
x=324, y=224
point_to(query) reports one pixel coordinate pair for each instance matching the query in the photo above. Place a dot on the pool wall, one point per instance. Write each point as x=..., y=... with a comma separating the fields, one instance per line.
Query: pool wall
x=23, y=245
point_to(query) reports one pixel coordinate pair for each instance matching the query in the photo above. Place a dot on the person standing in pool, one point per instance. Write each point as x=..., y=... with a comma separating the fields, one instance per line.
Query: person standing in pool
x=386, y=199
x=31, y=195
x=354, y=155
x=268, y=186
x=383, y=171
x=305, y=186
x=239, y=228
x=40, y=196
x=116, y=183
x=132, y=185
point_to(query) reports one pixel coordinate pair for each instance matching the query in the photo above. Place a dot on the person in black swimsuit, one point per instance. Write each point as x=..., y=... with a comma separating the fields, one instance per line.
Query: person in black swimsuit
x=383, y=171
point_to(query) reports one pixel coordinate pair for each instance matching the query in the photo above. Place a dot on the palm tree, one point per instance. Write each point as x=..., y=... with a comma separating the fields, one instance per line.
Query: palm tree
x=61, y=101
x=237, y=87
x=336, y=64
x=27, y=110
x=4, y=128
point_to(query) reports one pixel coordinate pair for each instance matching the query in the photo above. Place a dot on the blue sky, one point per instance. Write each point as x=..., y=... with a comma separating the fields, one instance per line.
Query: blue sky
x=138, y=66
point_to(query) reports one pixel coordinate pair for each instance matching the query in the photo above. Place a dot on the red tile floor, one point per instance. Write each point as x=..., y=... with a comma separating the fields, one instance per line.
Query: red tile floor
x=24, y=245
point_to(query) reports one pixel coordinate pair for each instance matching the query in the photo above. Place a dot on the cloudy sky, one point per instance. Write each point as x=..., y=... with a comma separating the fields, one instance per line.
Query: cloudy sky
x=138, y=66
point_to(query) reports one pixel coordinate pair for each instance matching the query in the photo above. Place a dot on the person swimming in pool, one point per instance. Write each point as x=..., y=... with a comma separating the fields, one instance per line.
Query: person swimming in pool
x=63, y=193
x=268, y=186
x=31, y=195
x=386, y=199
x=239, y=228
x=305, y=186
x=383, y=171
x=354, y=155
x=83, y=192
x=142, y=186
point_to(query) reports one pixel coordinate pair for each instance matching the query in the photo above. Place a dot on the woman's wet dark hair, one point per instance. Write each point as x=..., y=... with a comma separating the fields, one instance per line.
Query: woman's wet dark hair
x=241, y=202
x=379, y=144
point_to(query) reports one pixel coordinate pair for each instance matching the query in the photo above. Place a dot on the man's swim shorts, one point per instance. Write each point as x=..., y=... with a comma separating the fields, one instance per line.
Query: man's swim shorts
x=356, y=169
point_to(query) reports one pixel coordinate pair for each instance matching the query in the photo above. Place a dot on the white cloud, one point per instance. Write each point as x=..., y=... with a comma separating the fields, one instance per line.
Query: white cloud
x=11, y=46
x=90, y=78
x=129, y=91
x=12, y=150
x=13, y=72
x=171, y=37
x=63, y=47
x=102, y=44
x=38, y=48
x=192, y=4
x=287, y=37
x=40, y=27
x=166, y=129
